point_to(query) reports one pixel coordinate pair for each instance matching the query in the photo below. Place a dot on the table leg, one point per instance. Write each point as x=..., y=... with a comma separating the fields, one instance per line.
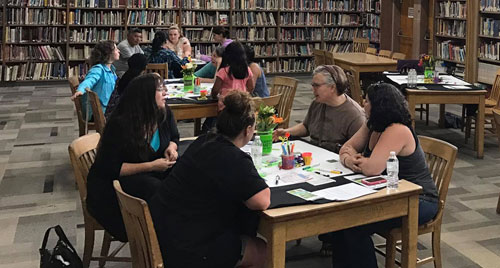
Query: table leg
x=480, y=128
x=441, y=115
x=411, y=109
x=197, y=126
x=276, y=246
x=410, y=234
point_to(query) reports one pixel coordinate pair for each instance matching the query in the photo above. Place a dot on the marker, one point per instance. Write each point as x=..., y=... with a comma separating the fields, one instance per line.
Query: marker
x=331, y=171
x=319, y=173
x=277, y=179
x=310, y=167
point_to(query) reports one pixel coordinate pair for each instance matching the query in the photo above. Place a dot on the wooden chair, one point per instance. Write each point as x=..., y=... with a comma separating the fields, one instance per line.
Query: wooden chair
x=273, y=101
x=385, y=53
x=95, y=103
x=371, y=51
x=355, y=88
x=440, y=157
x=360, y=45
x=141, y=233
x=329, y=60
x=82, y=152
x=319, y=57
x=287, y=87
x=398, y=56
x=73, y=85
x=160, y=68
x=496, y=117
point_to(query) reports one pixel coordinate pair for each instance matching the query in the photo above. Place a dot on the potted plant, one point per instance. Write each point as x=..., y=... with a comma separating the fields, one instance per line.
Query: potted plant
x=266, y=122
x=427, y=62
x=188, y=70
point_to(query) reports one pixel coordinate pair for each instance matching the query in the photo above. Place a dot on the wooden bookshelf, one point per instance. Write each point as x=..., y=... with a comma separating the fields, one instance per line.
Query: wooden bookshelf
x=488, y=41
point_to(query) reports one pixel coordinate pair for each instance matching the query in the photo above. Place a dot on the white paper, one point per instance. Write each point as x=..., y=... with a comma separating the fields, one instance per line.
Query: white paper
x=445, y=80
x=319, y=180
x=344, y=192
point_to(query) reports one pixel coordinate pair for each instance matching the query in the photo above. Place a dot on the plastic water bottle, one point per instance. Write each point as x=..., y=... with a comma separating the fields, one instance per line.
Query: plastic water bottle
x=412, y=78
x=392, y=172
x=256, y=152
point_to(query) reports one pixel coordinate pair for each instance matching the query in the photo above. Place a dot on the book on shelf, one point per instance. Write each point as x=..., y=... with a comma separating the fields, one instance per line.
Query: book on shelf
x=452, y=9
x=447, y=50
x=301, y=4
x=95, y=3
x=489, y=27
x=201, y=4
x=37, y=3
x=489, y=5
x=35, y=71
x=223, y=19
x=451, y=28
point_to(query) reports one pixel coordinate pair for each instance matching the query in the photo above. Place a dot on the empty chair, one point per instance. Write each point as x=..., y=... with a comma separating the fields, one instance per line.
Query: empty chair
x=273, y=101
x=287, y=87
x=144, y=246
x=440, y=157
x=319, y=57
x=82, y=152
x=385, y=53
x=73, y=85
x=371, y=51
x=360, y=45
x=160, y=68
x=398, y=56
x=354, y=88
x=99, y=119
x=329, y=60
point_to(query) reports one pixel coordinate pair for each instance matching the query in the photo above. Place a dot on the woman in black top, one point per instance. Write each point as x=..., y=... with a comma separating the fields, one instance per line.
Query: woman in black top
x=138, y=145
x=205, y=211
x=388, y=129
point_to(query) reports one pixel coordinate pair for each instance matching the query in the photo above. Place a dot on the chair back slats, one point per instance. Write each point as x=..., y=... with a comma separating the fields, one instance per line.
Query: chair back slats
x=160, y=68
x=95, y=103
x=319, y=57
x=273, y=101
x=329, y=59
x=371, y=51
x=287, y=87
x=354, y=88
x=73, y=85
x=360, y=45
x=495, y=90
x=144, y=247
x=496, y=118
x=385, y=53
x=398, y=56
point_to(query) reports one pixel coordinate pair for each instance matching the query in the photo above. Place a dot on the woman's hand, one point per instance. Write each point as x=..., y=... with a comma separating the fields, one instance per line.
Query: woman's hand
x=350, y=162
x=171, y=153
x=348, y=149
x=161, y=164
x=279, y=132
x=78, y=93
x=360, y=162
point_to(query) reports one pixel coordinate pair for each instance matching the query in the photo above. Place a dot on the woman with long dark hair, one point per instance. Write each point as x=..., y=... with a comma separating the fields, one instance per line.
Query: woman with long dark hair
x=205, y=212
x=159, y=53
x=138, y=146
x=388, y=129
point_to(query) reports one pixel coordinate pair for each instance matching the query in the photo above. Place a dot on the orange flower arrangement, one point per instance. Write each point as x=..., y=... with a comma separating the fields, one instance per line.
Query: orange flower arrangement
x=267, y=119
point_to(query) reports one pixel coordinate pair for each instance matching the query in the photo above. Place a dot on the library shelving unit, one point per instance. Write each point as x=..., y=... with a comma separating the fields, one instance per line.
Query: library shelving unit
x=488, y=55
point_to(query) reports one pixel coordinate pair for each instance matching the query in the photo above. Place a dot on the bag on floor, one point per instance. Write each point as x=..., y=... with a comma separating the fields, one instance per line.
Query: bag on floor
x=63, y=255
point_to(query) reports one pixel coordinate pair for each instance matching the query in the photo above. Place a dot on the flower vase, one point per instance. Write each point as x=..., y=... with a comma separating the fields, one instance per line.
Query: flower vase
x=267, y=141
x=428, y=75
x=188, y=82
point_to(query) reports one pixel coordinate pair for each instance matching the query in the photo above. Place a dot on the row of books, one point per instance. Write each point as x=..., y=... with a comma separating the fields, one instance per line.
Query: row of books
x=14, y=53
x=79, y=17
x=79, y=70
x=449, y=51
x=152, y=18
x=452, y=9
x=253, y=18
x=489, y=27
x=297, y=49
x=206, y=4
x=36, y=16
x=265, y=50
x=342, y=34
x=490, y=5
x=339, y=47
x=300, y=18
x=35, y=34
x=339, y=19
x=270, y=66
x=311, y=34
x=490, y=50
x=255, y=4
x=153, y=3
x=37, y=3
x=296, y=65
x=371, y=20
x=254, y=34
x=95, y=35
x=198, y=34
x=79, y=53
x=94, y=3
x=35, y=71
x=451, y=28
x=301, y=5
x=148, y=34
x=204, y=18
x=353, y=5
x=372, y=34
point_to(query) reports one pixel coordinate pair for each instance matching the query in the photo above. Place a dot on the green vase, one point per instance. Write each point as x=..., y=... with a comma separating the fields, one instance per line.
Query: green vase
x=428, y=75
x=188, y=82
x=267, y=141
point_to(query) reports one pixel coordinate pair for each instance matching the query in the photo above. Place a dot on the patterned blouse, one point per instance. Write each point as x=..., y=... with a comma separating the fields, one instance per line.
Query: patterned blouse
x=166, y=56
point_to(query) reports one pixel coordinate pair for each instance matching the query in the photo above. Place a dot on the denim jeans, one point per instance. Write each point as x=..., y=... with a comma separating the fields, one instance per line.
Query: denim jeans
x=354, y=247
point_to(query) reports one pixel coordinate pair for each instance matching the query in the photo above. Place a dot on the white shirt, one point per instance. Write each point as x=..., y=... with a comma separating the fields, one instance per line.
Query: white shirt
x=126, y=51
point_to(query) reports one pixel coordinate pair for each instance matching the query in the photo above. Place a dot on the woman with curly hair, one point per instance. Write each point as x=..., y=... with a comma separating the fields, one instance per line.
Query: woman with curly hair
x=138, y=147
x=101, y=78
x=159, y=53
x=388, y=129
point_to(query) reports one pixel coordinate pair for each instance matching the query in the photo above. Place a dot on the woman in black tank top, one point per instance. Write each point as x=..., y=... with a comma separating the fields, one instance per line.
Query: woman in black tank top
x=388, y=129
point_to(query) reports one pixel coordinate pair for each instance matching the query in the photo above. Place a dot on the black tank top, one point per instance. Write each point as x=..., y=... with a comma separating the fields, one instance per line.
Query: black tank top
x=413, y=168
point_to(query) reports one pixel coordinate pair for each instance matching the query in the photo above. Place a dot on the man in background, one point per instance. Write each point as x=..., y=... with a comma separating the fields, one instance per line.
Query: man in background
x=128, y=47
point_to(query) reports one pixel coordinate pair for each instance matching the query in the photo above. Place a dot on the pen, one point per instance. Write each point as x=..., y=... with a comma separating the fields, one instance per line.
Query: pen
x=310, y=167
x=319, y=173
x=277, y=179
x=331, y=171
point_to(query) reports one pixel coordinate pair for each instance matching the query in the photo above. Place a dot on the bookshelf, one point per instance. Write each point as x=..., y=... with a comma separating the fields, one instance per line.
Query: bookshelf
x=488, y=40
x=51, y=39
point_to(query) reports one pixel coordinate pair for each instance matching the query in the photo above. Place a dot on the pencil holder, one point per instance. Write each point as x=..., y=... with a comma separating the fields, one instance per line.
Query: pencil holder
x=287, y=161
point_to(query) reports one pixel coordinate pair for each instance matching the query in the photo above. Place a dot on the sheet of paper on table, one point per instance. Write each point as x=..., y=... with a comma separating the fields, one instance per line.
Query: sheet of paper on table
x=344, y=192
x=445, y=80
x=175, y=90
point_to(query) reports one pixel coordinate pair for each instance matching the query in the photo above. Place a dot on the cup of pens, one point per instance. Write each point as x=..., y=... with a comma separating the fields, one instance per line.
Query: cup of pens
x=287, y=161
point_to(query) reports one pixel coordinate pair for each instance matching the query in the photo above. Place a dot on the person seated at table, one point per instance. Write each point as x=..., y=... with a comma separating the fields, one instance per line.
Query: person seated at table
x=178, y=43
x=101, y=78
x=259, y=78
x=388, y=129
x=221, y=36
x=207, y=72
x=205, y=212
x=333, y=117
x=158, y=53
x=128, y=47
x=138, y=147
x=136, y=66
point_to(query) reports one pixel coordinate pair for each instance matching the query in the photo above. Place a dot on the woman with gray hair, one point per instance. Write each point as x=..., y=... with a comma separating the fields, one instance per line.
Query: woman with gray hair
x=333, y=117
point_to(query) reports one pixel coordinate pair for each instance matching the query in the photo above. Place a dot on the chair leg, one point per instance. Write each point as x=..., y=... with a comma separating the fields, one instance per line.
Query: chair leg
x=421, y=111
x=436, y=247
x=427, y=114
x=88, y=247
x=106, y=243
x=463, y=118
x=468, y=123
x=390, y=252
x=498, y=205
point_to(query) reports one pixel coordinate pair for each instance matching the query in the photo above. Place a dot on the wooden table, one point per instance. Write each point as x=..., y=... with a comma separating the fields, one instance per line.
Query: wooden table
x=290, y=223
x=194, y=111
x=419, y=96
x=364, y=63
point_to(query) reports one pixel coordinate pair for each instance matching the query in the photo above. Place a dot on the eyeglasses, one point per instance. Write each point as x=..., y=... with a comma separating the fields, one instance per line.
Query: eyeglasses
x=314, y=85
x=161, y=88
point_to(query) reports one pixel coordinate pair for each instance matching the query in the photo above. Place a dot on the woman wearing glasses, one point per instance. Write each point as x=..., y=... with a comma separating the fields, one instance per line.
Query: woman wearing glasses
x=333, y=117
x=138, y=146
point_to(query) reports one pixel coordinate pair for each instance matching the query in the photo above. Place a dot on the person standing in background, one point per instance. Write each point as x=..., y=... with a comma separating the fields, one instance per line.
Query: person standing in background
x=128, y=47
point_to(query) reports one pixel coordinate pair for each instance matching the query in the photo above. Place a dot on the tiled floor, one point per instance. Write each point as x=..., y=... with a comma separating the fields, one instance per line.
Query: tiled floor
x=37, y=187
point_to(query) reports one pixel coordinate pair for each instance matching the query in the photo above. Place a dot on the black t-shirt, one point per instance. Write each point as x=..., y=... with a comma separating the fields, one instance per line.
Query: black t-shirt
x=201, y=201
